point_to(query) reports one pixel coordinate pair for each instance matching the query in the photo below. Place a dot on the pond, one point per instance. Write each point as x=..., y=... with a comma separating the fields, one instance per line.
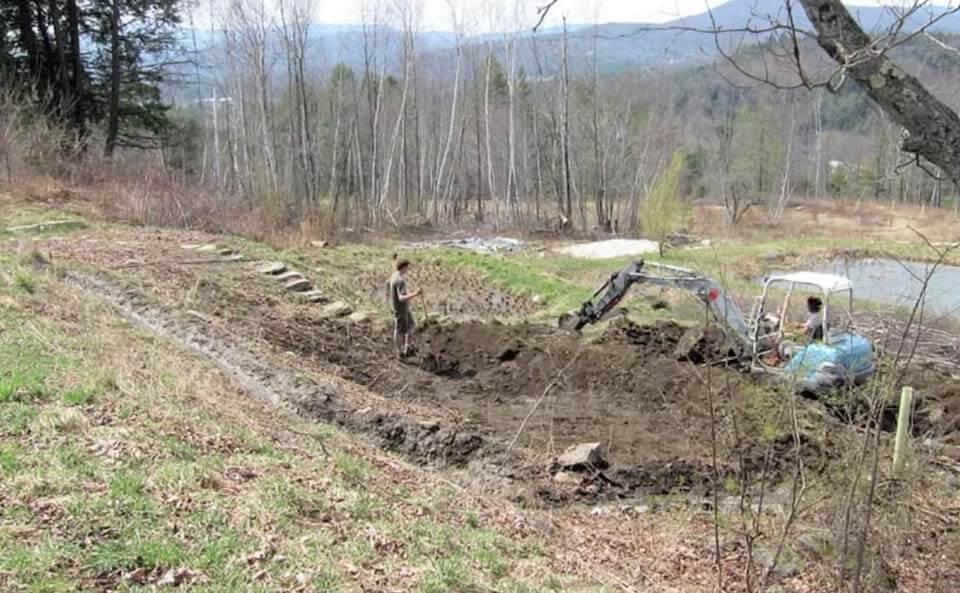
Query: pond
x=899, y=283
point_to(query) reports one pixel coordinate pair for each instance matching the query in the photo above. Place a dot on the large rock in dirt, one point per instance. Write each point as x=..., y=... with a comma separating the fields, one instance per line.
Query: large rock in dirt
x=582, y=456
x=336, y=309
x=298, y=285
x=315, y=296
x=288, y=276
x=273, y=268
x=359, y=317
x=787, y=565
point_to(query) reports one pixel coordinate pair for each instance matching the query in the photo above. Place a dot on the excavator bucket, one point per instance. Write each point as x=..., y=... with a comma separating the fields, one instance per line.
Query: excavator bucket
x=689, y=343
x=570, y=320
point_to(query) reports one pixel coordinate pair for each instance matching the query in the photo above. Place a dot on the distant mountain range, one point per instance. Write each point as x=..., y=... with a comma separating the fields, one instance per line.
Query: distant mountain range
x=620, y=46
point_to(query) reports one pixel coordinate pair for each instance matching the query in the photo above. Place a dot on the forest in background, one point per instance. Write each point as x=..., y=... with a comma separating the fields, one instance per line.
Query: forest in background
x=512, y=129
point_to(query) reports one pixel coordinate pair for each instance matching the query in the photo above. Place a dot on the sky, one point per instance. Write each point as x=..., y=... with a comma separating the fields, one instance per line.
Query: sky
x=475, y=16
x=436, y=14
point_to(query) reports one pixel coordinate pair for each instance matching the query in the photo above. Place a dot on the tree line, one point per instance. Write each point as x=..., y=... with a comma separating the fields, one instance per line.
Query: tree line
x=508, y=128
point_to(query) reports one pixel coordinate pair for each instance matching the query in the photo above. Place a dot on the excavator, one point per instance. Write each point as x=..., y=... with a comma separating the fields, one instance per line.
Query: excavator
x=761, y=343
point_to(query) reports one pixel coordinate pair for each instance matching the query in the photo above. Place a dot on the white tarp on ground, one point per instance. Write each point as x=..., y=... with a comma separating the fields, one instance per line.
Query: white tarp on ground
x=610, y=248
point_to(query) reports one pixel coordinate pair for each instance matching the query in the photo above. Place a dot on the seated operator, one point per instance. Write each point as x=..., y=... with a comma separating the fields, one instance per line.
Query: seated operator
x=813, y=329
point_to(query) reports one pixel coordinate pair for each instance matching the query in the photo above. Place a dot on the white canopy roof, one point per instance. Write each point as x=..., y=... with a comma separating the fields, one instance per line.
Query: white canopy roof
x=827, y=282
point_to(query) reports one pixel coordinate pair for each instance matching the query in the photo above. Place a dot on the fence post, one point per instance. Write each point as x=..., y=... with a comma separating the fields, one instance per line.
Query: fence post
x=903, y=428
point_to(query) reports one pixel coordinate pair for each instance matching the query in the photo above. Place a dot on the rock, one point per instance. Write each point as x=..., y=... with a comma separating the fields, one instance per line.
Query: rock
x=582, y=456
x=234, y=257
x=568, y=478
x=288, y=276
x=787, y=566
x=429, y=425
x=272, y=268
x=336, y=309
x=209, y=247
x=819, y=543
x=358, y=317
x=536, y=299
x=190, y=246
x=320, y=244
x=298, y=285
x=315, y=296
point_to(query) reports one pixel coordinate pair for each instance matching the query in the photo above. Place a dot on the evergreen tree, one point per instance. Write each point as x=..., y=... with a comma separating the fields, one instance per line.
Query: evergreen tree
x=92, y=62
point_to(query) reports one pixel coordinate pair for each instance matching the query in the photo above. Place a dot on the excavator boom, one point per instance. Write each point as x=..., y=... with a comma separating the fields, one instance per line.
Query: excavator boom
x=611, y=292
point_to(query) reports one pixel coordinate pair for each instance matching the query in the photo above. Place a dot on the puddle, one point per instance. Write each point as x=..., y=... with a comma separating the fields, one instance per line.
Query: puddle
x=899, y=283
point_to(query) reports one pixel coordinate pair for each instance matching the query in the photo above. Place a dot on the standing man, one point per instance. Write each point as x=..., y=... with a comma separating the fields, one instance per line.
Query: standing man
x=400, y=300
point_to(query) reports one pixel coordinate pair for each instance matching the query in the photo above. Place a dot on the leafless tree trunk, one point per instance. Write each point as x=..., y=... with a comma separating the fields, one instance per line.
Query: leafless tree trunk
x=113, y=105
x=438, y=182
x=565, y=125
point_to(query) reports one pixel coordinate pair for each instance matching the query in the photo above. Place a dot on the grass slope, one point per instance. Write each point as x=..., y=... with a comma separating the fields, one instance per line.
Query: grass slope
x=127, y=463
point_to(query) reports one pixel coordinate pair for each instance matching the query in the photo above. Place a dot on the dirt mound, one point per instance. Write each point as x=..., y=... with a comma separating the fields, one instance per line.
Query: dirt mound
x=520, y=361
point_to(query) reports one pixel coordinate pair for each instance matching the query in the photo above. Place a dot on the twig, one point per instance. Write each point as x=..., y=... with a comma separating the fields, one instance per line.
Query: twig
x=540, y=399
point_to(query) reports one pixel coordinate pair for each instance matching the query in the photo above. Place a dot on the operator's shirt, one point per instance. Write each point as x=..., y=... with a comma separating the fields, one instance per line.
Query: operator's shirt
x=814, y=326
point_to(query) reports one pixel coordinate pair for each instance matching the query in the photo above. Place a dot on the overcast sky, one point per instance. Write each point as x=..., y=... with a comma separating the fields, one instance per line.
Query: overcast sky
x=437, y=13
x=499, y=15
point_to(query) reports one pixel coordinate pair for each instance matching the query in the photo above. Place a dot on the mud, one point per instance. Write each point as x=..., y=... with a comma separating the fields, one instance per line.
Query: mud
x=626, y=389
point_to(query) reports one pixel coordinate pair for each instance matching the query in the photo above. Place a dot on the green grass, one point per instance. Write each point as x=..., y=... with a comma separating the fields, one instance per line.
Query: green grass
x=15, y=418
x=25, y=363
x=10, y=459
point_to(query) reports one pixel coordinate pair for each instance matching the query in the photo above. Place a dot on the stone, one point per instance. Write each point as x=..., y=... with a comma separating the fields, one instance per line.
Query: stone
x=298, y=285
x=336, y=309
x=582, y=456
x=787, y=565
x=209, y=247
x=272, y=268
x=358, y=317
x=817, y=543
x=234, y=257
x=429, y=425
x=320, y=244
x=568, y=478
x=190, y=246
x=536, y=299
x=288, y=276
x=315, y=296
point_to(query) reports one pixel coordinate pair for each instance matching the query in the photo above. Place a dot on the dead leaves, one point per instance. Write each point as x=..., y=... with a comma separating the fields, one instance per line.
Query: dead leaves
x=174, y=577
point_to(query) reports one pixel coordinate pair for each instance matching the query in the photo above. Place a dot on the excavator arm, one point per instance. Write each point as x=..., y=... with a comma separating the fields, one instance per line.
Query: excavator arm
x=611, y=292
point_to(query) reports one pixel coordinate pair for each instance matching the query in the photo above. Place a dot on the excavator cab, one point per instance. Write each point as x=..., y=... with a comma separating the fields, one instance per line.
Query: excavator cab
x=840, y=357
